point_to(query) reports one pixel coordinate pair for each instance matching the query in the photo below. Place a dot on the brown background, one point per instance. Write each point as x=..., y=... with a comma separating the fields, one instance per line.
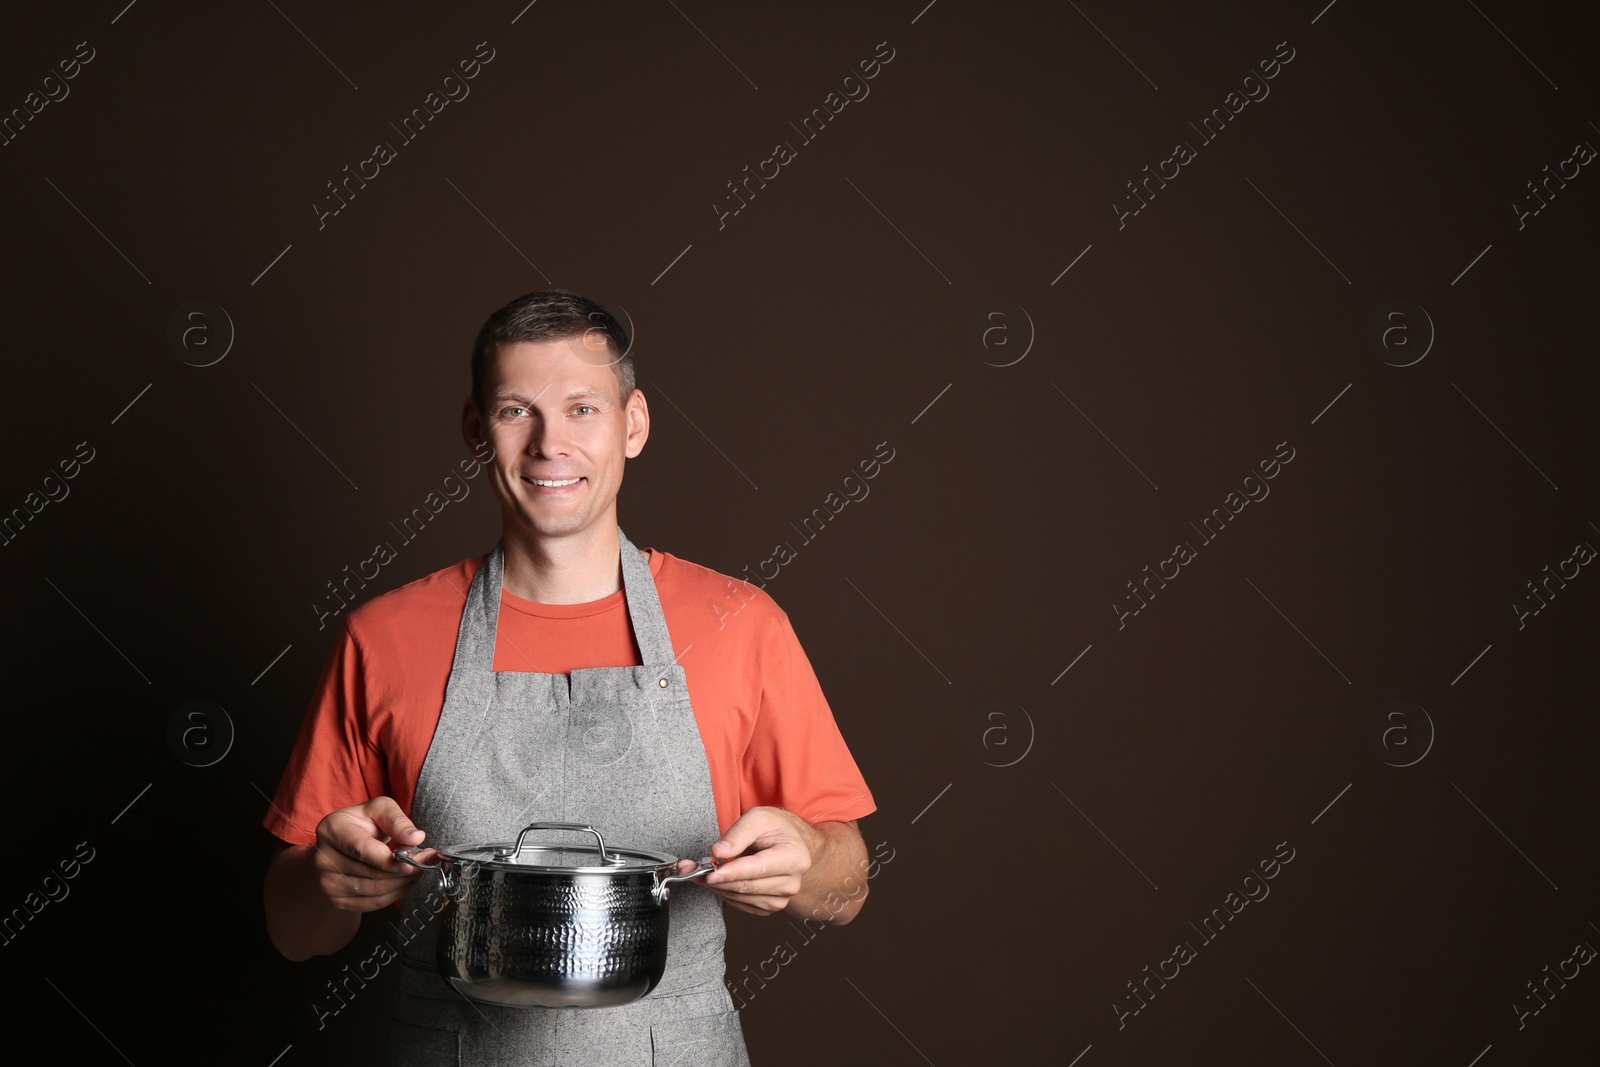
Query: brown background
x=1146, y=781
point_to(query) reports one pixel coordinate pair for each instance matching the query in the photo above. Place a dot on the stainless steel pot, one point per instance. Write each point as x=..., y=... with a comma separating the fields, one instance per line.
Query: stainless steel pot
x=538, y=924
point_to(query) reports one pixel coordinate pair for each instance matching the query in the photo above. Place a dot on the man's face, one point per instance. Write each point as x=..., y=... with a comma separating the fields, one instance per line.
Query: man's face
x=560, y=433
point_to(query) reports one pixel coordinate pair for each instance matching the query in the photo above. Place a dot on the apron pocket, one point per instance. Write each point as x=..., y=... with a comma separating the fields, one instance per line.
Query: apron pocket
x=411, y=1045
x=703, y=1041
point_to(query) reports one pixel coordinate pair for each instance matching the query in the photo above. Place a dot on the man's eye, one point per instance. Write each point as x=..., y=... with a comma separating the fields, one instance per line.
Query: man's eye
x=583, y=407
x=508, y=412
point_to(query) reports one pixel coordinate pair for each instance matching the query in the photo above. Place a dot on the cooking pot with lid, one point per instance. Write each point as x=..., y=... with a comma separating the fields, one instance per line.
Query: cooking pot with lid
x=542, y=924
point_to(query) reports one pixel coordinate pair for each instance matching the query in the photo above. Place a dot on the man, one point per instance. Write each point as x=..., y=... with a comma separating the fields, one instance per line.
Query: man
x=566, y=677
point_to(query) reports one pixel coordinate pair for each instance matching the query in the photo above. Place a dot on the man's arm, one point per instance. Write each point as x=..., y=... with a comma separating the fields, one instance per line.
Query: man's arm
x=835, y=887
x=301, y=921
x=776, y=861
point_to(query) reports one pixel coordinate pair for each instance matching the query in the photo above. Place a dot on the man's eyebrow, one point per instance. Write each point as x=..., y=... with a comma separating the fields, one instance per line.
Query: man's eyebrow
x=504, y=393
x=584, y=393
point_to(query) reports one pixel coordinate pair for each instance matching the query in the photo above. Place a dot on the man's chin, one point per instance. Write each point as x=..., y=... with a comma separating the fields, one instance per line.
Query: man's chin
x=546, y=525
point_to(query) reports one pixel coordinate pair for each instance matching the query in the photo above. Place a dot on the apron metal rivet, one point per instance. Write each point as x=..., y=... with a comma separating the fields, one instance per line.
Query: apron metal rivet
x=663, y=683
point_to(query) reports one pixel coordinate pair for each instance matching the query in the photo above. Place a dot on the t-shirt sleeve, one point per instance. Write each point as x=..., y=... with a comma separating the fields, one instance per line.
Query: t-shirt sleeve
x=797, y=759
x=334, y=763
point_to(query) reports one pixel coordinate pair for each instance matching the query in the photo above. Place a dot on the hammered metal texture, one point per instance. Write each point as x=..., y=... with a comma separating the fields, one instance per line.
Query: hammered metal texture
x=556, y=940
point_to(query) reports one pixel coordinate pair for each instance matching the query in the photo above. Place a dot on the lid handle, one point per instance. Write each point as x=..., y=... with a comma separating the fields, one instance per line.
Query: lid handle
x=600, y=842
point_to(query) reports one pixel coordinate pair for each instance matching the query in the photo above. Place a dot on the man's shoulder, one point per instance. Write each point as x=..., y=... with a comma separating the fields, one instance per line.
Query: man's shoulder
x=435, y=598
x=703, y=593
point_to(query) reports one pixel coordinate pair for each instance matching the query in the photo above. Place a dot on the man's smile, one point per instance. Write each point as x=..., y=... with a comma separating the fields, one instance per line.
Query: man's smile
x=551, y=485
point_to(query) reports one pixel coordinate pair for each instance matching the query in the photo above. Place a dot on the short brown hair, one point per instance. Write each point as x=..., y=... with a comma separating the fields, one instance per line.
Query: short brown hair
x=551, y=315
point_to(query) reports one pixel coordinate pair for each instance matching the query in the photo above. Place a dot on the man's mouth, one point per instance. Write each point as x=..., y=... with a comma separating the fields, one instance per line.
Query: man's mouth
x=552, y=484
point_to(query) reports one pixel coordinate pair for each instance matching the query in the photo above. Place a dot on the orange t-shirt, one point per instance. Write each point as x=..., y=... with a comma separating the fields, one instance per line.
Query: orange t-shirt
x=769, y=734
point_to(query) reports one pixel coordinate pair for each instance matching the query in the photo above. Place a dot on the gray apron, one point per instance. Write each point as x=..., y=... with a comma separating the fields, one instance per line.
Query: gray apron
x=615, y=747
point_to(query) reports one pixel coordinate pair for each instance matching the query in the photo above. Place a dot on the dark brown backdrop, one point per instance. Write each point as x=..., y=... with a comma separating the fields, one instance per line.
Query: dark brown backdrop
x=1054, y=831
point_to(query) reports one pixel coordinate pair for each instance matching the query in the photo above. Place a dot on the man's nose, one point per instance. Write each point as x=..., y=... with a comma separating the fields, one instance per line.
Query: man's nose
x=549, y=438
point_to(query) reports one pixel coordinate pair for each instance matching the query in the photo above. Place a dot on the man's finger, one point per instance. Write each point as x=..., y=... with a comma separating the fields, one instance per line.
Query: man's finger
x=746, y=831
x=365, y=888
x=782, y=886
x=370, y=903
x=392, y=822
x=768, y=863
x=757, y=905
x=376, y=854
x=391, y=898
x=366, y=859
x=347, y=869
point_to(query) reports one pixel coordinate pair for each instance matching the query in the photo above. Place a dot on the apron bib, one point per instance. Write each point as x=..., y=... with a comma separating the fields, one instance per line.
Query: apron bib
x=614, y=747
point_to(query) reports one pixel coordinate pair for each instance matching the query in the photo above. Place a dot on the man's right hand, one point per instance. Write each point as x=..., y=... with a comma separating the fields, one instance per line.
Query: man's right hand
x=315, y=894
x=354, y=858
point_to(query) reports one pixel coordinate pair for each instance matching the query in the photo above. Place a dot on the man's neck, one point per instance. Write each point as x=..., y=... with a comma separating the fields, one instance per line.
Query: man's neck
x=574, y=569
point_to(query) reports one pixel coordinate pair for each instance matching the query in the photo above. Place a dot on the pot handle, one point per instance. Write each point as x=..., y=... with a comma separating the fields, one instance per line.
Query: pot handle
x=663, y=889
x=600, y=842
x=405, y=855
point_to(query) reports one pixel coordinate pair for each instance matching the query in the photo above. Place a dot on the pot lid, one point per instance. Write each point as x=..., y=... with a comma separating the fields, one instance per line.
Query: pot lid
x=560, y=858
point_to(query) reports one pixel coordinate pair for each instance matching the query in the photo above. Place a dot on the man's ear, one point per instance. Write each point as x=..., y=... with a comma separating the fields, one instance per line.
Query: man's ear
x=638, y=416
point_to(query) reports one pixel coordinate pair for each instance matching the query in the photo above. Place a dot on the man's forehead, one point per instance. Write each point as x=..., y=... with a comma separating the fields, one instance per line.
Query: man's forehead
x=570, y=364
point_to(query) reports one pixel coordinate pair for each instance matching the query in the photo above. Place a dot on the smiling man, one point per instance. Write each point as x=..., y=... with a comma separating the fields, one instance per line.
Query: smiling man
x=569, y=677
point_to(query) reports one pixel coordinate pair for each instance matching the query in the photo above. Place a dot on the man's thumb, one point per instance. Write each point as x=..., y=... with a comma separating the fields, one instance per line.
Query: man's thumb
x=732, y=843
x=393, y=822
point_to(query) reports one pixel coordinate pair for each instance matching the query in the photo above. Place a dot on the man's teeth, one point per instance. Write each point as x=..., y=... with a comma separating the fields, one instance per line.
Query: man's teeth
x=552, y=482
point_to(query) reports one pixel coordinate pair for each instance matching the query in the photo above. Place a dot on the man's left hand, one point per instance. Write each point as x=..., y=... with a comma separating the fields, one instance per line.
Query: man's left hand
x=780, y=847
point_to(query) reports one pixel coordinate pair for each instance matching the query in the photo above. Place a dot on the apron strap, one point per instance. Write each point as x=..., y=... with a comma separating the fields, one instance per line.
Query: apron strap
x=644, y=606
